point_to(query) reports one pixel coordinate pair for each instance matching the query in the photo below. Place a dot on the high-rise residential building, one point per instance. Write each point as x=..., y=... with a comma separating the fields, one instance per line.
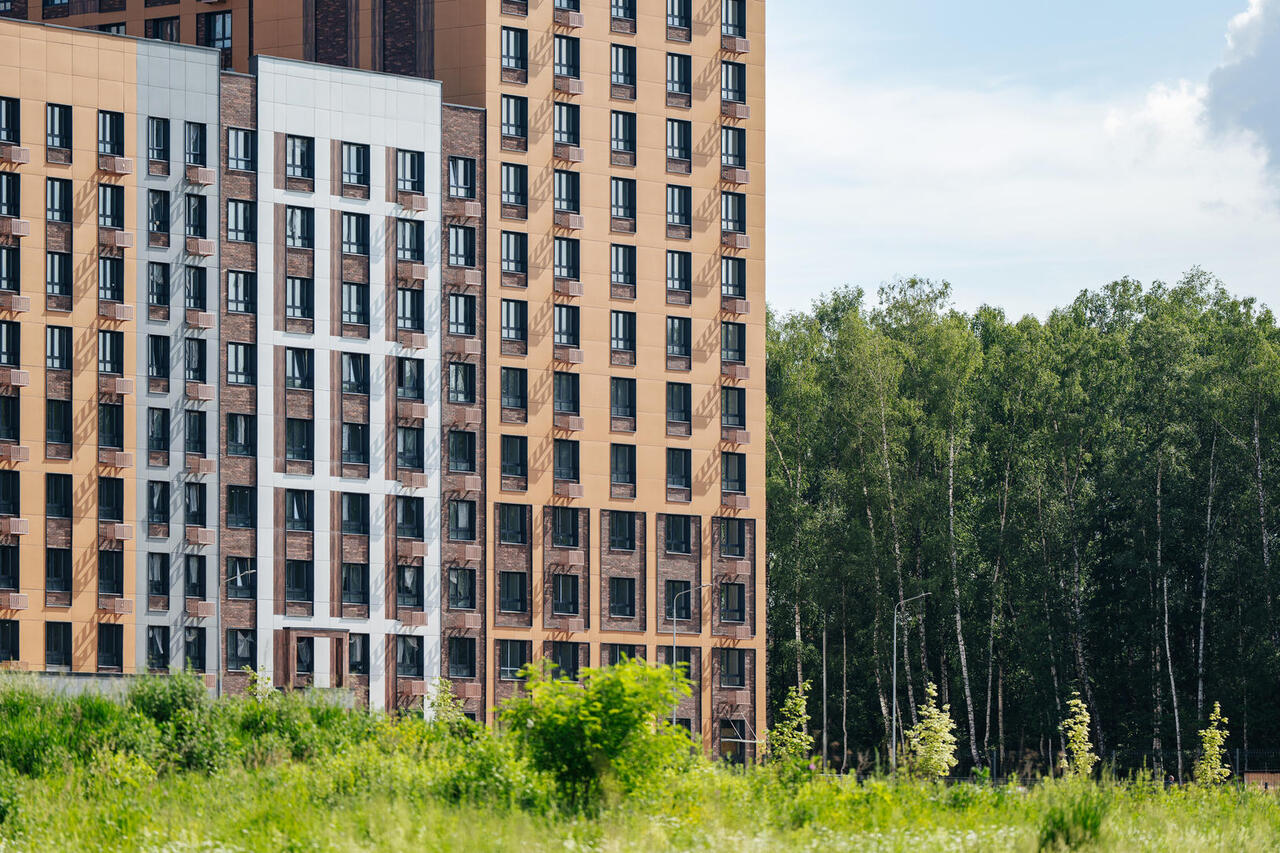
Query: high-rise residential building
x=572, y=480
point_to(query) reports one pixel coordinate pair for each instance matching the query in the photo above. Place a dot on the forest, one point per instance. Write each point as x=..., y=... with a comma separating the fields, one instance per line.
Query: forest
x=1088, y=500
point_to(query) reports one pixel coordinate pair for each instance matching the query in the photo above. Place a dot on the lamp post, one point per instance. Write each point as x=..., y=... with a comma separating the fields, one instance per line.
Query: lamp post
x=674, y=619
x=899, y=610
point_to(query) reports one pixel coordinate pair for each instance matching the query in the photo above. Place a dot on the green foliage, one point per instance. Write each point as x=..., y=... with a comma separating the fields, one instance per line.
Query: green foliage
x=1211, y=767
x=605, y=735
x=931, y=743
x=1073, y=816
x=1080, y=758
x=789, y=740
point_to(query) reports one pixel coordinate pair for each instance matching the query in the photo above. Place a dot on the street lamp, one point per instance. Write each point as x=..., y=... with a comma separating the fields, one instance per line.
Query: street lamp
x=899, y=610
x=674, y=619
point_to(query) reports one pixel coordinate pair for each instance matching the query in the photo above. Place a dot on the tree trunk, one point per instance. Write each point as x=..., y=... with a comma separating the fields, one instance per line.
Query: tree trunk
x=955, y=589
x=995, y=593
x=825, y=749
x=1077, y=615
x=1204, y=579
x=1262, y=514
x=1164, y=590
x=1048, y=613
x=897, y=548
x=796, y=619
x=844, y=698
x=875, y=618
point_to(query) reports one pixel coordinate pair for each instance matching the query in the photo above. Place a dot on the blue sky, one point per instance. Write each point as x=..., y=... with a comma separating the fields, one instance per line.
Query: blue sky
x=1022, y=151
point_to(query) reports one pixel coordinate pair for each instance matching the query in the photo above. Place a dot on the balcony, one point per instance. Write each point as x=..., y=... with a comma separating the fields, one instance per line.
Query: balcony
x=14, y=526
x=567, y=18
x=114, y=458
x=200, y=176
x=14, y=601
x=14, y=452
x=565, y=489
x=199, y=247
x=11, y=377
x=115, y=310
x=115, y=604
x=114, y=238
x=10, y=301
x=15, y=154
x=115, y=165
x=570, y=221
x=13, y=227
x=568, y=153
x=197, y=319
x=200, y=536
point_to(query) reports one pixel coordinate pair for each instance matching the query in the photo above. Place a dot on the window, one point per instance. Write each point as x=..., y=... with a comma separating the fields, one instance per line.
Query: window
x=355, y=514
x=512, y=526
x=462, y=589
x=515, y=252
x=733, y=147
x=10, y=422
x=197, y=288
x=10, y=348
x=679, y=468
x=57, y=355
x=678, y=530
x=242, y=577
x=58, y=200
x=513, y=592
x=620, y=653
x=217, y=33
x=515, y=184
x=57, y=569
x=564, y=527
x=515, y=49
x=409, y=240
x=733, y=342
x=299, y=298
x=622, y=136
x=111, y=573
x=409, y=310
x=733, y=602
x=298, y=579
x=242, y=292
x=409, y=587
x=10, y=498
x=10, y=194
x=679, y=337
x=355, y=444
x=110, y=133
x=355, y=233
x=679, y=74
x=242, y=221
x=158, y=570
x=10, y=121
x=462, y=452
x=678, y=14
x=298, y=510
x=679, y=600
x=158, y=211
x=624, y=9
x=306, y=652
x=733, y=82
x=242, y=507
x=242, y=652
x=158, y=503
x=110, y=352
x=565, y=657
x=622, y=265
x=158, y=430
x=566, y=124
x=564, y=595
x=622, y=397
x=733, y=21
x=197, y=217
x=679, y=271
x=195, y=580
x=158, y=647
x=622, y=467
x=355, y=373
x=57, y=118
x=242, y=368
x=158, y=356
x=111, y=279
x=622, y=598
x=194, y=504
x=196, y=146
x=733, y=277
x=355, y=164
x=462, y=383
x=355, y=303
x=409, y=657
x=515, y=320
x=622, y=198
x=241, y=435
x=57, y=645
x=409, y=378
x=299, y=368
x=57, y=495
x=462, y=657
x=679, y=402
x=622, y=66
x=515, y=116
x=462, y=314
x=242, y=150
x=733, y=667
x=515, y=456
x=300, y=226
x=110, y=206
x=566, y=326
x=358, y=654
x=733, y=537
x=196, y=361
x=622, y=530
x=622, y=336
x=679, y=139
x=299, y=439
x=733, y=473
x=462, y=246
x=410, y=171
x=9, y=267
x=299, y=157
x=58, y=421
x=566, y=185
x=565, y=393
x=462, y=177
x=110, y=647
x=566, y=56
x=679, y=206
x=514, y=388
x=462, y=521
x=733, y=212
x=513, y=656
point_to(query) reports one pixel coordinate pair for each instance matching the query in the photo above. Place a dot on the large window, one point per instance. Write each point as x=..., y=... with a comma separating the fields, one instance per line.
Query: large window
x=622, y=136
x=622, y=337
x=242, y=150
x=733, y=147
x=299, y=580
x=299, y=157
x=515, y=320
x=733, y=277
x=462, y=383
x=679, y=271
x=462, y=520
x=196, y=147
x=679, y=206
x=733, y=342
x=110, y=133
x=733, y=82
x=566, y=326
x=622, y=530
x=565, y=393
x=409, y=310
x=679, y=73
x=567, y=251
x=566, y=56
x=462, y=246
x=158, y=139
x=679, y=139
x=733, y=407
x=515, y=456
x=462, y=588
x=515, y=252
x=566, y=191
x=515, y=184
x=110, y=206
x=242, y=222
x=513, y=656
x=679, y=468
x=678, y=14
x=242, y=292
x=58, y=347
x=355, y=164
x=733, y=473
x=679, y=337
x=57, y=119
x=513, y=527
x=679, y=402
x=409, y=240
x=733, y=20
x=110, y=352
x=242, y=367
x=622, y=198
x=355, y=303
x=58, y=200
x=515, y=116
x=462, y=657
x=515, y=49
x=564, y=595
x=733, y=212
x=566, y=124
x=678, y=530
x=410, y=171
x=622, y=265
x=462, y=314
x=622, y=468
x=622, y=397
x=564, y=527
x=299, y=368
x=300, y=227
x=299, y=297
x=622, y=67
x=622, y=598
x=514, y=388
x=355, y=233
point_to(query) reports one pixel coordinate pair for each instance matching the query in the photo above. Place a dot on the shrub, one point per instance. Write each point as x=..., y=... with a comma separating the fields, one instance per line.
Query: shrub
x=605, y=734
x=932, y=741
x=1074, y=816
x=1210, y=768
x=790, y=740
x=161, y=697
x=1080, y=758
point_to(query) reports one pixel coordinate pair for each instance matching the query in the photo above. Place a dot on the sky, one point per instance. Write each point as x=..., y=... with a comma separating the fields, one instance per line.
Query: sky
x=1022, y=150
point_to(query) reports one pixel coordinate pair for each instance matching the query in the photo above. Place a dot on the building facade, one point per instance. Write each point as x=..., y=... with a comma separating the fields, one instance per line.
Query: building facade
x=585, y=301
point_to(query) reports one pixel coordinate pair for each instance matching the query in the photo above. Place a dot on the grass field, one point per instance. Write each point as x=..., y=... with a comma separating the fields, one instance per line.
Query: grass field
x=168, y=770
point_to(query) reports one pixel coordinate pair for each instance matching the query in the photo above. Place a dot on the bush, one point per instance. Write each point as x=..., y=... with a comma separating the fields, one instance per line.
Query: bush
x=162, y=697
x=1073, y=817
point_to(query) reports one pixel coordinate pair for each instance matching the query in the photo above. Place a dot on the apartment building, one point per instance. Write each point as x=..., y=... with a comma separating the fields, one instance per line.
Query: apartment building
x=596, y=457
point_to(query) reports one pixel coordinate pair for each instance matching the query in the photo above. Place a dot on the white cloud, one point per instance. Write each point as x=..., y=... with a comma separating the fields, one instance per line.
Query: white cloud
x=1019, y=197
x=1244, y=93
